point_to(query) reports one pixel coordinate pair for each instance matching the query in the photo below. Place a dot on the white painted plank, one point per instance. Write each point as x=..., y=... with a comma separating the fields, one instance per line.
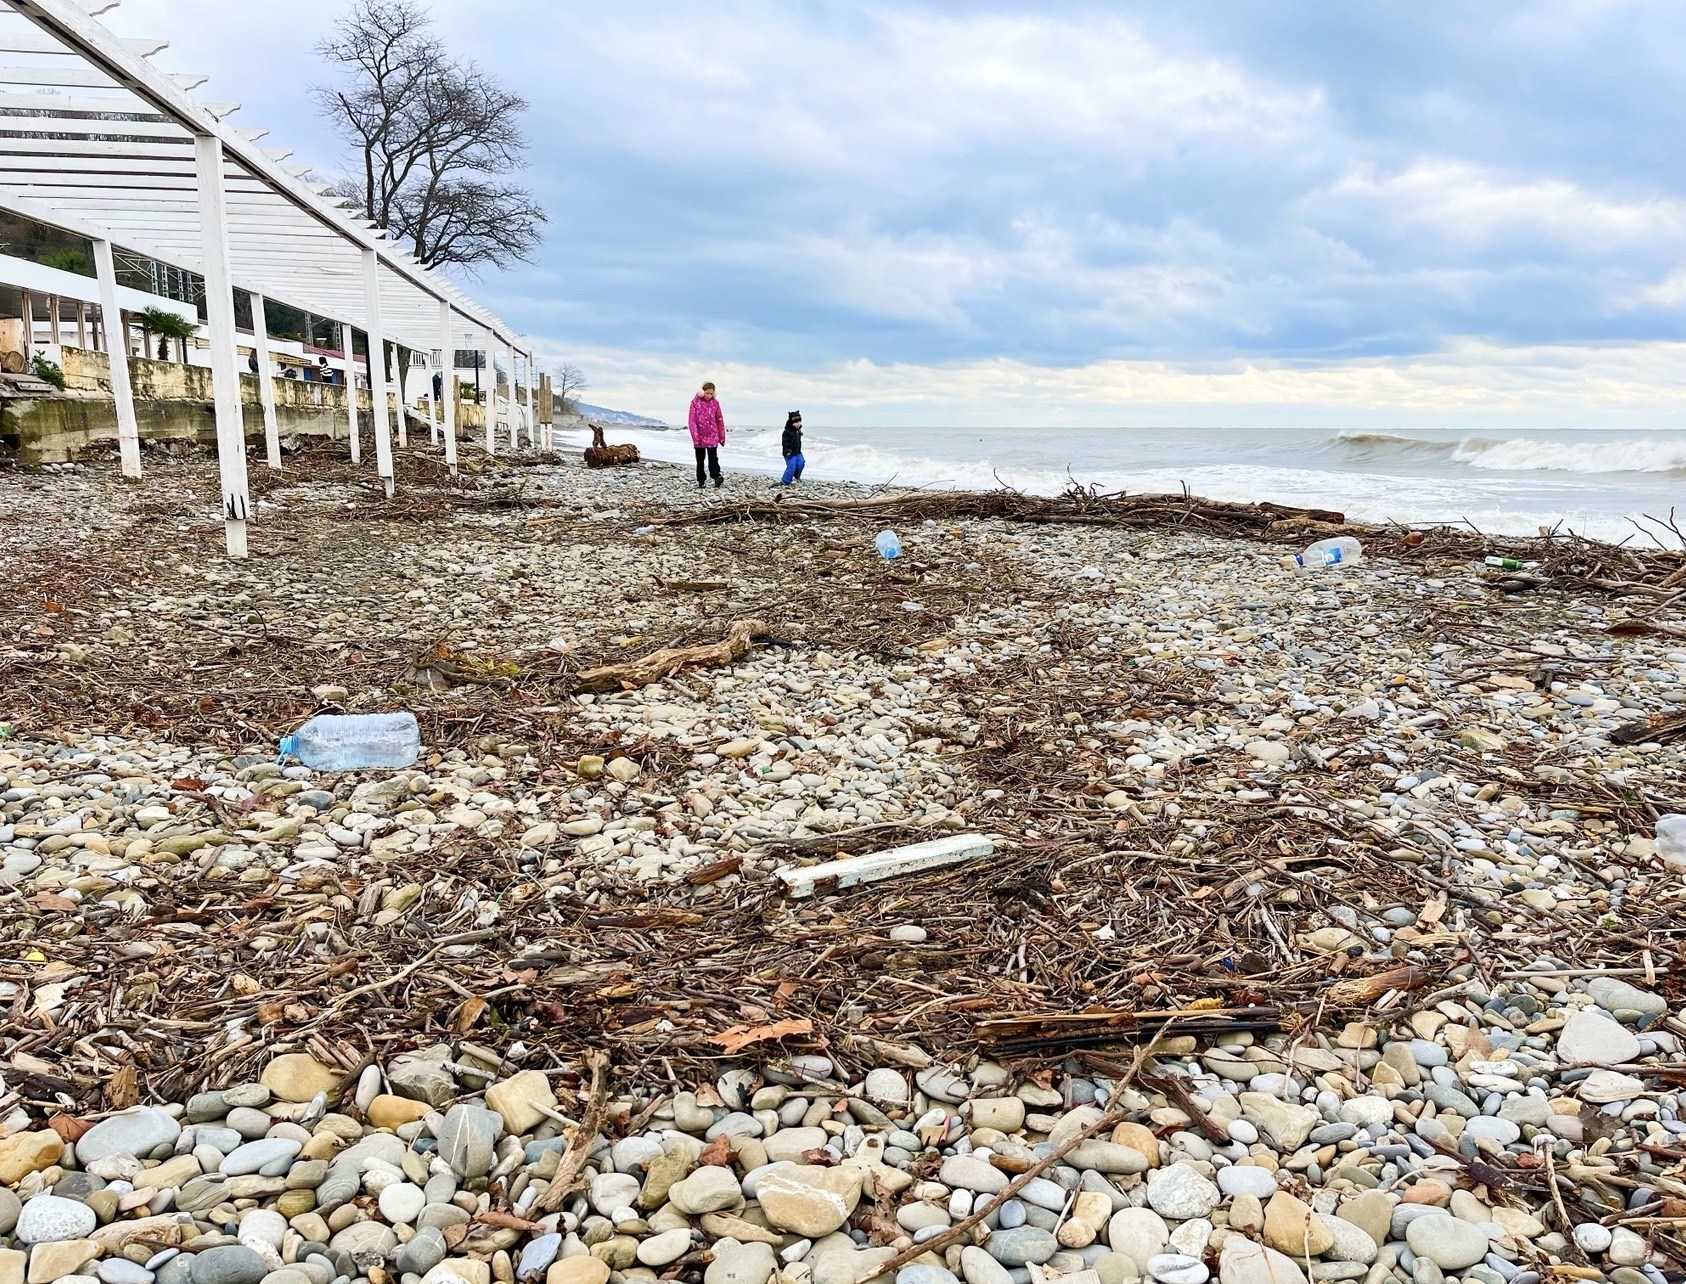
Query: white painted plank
x=801, y=880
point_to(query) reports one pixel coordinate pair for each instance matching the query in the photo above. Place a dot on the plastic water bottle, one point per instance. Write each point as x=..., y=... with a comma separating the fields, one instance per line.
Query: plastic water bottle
x=1671, y=841
x=1340, y=551
x=889, y=545
x=355, y=742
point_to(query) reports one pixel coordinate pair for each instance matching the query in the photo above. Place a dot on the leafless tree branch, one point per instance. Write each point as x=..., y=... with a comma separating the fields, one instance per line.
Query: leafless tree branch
x=433, y=138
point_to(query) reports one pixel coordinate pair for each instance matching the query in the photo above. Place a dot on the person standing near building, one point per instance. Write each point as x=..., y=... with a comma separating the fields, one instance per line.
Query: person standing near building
x=708, y=434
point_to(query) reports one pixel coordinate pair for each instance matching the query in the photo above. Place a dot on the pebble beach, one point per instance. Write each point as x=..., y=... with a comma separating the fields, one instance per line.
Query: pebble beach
x=1323, y=935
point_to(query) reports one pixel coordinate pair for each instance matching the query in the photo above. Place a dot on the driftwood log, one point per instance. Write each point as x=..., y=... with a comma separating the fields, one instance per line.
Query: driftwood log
x=669, y=660
x=601, y=455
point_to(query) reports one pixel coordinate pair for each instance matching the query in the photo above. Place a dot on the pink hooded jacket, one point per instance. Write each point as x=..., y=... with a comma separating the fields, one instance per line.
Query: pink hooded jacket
x=708, y=422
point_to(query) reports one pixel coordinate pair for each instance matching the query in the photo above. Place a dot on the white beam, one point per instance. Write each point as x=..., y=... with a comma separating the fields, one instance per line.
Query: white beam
x=117, y=357
x=38, y=42
x=514, y=402
x=533, y=419
x=126, y=104
x=403, y=422
x=447, y=387
x=351, y=392
x=266, y=384
x=225, y=372
x=377, y=368
x=432, y=405
x=488, y=390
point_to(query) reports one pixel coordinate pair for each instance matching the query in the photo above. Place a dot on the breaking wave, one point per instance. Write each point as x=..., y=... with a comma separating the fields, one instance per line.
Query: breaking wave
x=1521, y=454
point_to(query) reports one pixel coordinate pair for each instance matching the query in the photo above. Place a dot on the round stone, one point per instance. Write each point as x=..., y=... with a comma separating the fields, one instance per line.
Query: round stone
x=1590, y=1237
x=1180, y=1193
x=49, y=1219
x=137, y=1131
x=1247, y=1179
x=1451, y=1244
x=666, y=1248
x=402, y=1202
x=1177, y=1268
x=229, y=1264
x=255, y=1156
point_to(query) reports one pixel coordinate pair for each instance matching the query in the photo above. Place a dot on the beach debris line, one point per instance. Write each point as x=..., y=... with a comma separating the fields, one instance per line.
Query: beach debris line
x=602, y=455
x=670, y=660
x=802, y=880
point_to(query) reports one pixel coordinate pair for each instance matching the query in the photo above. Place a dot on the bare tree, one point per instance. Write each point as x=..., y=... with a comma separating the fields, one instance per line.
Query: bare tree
x=566, y=384
x=435, y=140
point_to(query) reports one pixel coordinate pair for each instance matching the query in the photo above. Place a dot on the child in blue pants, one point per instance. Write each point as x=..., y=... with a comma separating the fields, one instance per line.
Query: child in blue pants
x=792, y=447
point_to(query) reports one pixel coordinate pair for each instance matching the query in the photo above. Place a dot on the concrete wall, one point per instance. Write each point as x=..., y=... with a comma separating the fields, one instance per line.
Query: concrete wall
x=174, y=402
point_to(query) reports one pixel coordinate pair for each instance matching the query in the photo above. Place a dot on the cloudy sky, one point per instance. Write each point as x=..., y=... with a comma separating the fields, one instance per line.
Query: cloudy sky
x=1042, y=213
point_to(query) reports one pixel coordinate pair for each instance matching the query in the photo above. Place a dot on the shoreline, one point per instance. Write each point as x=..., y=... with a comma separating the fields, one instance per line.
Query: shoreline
x=1508, y=486
x=1308, y=818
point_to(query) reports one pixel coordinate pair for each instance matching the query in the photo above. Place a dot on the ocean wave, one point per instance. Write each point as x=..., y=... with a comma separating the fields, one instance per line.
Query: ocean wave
x=1491, y=503
x=1521, y=454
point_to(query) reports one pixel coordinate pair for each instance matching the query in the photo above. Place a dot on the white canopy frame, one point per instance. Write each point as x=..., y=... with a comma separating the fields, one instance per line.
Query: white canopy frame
x=96, y=141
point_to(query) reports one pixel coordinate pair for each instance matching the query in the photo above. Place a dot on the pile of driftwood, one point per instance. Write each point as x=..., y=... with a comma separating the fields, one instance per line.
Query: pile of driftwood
x=601, y=455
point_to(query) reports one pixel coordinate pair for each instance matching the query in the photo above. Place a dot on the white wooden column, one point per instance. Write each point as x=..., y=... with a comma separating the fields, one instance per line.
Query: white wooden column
x=432, y=404
x=489, y=393
x=377, y=368
x=351, y=392
x=514, y=401
x=225, y=359
x=117, y=357
x=398, y=373
x=266, y=384
x=532, y=418
x=448, y=386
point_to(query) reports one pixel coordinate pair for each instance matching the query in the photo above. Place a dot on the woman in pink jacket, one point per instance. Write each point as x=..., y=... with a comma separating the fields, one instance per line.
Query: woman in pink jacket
x=708, y=434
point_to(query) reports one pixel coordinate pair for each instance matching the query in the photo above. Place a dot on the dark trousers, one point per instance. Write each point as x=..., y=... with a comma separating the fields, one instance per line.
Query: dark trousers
x=709, y=457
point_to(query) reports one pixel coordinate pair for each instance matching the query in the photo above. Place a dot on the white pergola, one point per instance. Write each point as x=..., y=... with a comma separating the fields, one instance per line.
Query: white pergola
x=96, y=141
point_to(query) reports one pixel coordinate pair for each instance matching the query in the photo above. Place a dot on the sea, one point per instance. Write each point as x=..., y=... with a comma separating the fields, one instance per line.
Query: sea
x=1603, y=484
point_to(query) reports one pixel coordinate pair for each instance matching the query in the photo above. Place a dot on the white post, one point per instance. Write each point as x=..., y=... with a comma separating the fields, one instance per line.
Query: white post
x=53, y=319
x=532, y=419
x=266, y=384
x=489, y=394
x=377, y=368
x=82, y=325
x=398, y=373
x=514, y=401
x=225, y=361
x=447, y=386
x=351, y=392
x=117, y=357
x=432, y=404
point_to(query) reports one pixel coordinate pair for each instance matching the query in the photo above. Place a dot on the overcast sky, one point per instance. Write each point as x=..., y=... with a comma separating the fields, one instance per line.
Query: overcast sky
x=1068, y=212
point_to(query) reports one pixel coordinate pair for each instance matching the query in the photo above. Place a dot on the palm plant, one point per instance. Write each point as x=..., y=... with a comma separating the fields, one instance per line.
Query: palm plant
x=166, y=325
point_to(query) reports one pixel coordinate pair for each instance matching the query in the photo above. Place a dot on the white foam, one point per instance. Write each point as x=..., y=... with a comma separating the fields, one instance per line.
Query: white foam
x=1447, y=495
x=1619, y=455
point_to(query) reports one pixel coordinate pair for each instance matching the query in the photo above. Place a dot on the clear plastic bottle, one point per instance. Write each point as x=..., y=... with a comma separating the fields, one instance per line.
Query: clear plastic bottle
x=889, y=545
x=1671, y=841
x=355, y=742
x=1343, y=550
